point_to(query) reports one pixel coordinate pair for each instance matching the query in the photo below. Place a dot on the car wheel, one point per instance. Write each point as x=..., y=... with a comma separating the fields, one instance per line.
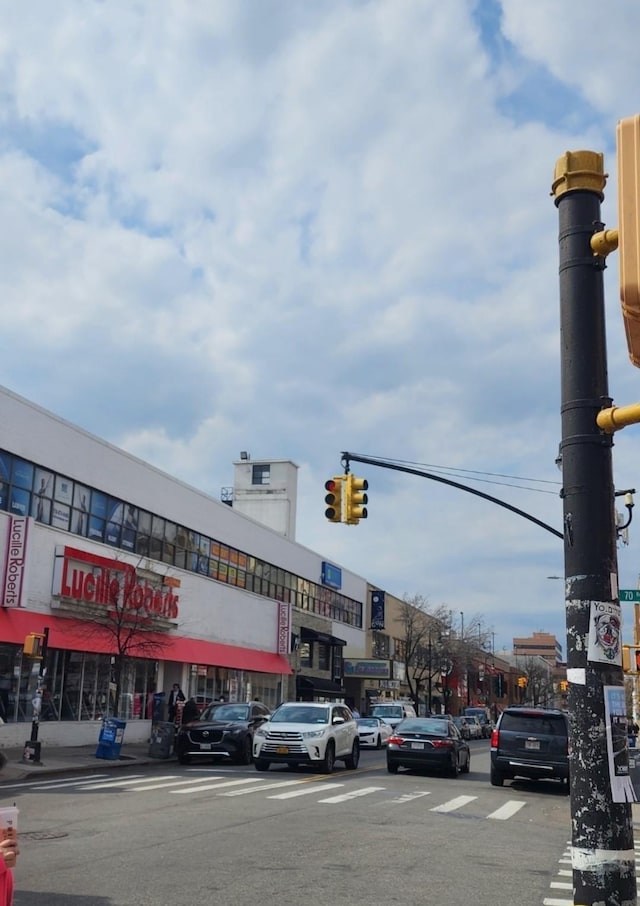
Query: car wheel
x=378, y=742
x=453, y=767
x=392, y=767
x=566, y=786
x=261, y=764
x=245, y=756
x=496, y=777
x=329, y=760
x=183, y=758
x=352, y=760
x=467, y=765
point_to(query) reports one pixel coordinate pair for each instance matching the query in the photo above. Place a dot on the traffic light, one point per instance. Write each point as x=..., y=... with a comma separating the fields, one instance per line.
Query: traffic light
x=628, y=143
x=355, y=499
x=33, y=645
x=522, y=682
x=564, y=685
x=333, y=498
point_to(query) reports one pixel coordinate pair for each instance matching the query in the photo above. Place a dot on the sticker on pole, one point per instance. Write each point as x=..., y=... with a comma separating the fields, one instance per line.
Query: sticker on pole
x=615, y=715
x=605, y=633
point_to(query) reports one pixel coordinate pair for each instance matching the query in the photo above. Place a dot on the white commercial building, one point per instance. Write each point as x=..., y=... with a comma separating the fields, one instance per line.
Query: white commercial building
x=138, y=581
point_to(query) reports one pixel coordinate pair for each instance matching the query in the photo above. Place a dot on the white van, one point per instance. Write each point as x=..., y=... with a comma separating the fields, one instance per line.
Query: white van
x=392, y=712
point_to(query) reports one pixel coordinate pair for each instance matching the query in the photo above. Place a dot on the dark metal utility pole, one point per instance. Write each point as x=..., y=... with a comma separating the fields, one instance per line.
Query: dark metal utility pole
x=603, y=856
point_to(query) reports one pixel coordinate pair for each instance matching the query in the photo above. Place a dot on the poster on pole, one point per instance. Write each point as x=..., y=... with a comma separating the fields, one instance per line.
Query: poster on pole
x=605, y=633
x=615, y=711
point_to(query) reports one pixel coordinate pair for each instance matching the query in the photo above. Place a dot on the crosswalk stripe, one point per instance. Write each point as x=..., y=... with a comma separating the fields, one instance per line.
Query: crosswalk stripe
x=265, y=786
x=101, y=784
x=409, y=797
x=562, y=885
x=173, y=783
x=214, y=786
x=61, y=784
x=550, y=901
x=508, y=810
x=126, y=781
x=310, y=788
x=344, y=797
x=453, y=804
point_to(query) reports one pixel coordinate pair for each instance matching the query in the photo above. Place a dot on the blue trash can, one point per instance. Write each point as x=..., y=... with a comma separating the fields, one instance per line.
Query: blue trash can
x=110, y=739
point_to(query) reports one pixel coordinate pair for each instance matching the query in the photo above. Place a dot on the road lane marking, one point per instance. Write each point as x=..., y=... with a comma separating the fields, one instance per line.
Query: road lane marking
x=508, y=810
x=344, y=797
x=453, y=804
x=305, y=792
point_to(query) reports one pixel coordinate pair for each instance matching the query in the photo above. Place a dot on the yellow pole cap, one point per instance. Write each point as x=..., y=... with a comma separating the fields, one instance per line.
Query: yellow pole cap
x=579, y=170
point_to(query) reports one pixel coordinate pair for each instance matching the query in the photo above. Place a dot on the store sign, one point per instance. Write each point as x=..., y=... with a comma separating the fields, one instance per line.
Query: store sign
x=84, y=578
x=365, y=668
x=15, y=561
x=331, y=575
x=284, y=627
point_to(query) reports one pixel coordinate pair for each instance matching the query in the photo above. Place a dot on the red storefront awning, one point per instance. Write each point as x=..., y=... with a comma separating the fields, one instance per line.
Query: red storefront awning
x=76, y=635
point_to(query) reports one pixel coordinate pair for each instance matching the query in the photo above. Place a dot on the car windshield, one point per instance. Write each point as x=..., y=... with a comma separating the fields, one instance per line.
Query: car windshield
x=367, y=722
x=422, y=725
x=226, y=712
x=387, y=711
x=299, y=714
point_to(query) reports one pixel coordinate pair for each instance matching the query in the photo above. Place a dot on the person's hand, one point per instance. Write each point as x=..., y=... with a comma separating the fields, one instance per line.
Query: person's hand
x=9, y=848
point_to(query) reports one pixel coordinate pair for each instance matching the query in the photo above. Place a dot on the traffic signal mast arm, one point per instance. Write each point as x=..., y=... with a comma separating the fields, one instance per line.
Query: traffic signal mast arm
x=353, y=457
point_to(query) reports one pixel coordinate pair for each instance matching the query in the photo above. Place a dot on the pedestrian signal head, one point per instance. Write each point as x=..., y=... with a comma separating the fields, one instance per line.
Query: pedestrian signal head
x=333, y=498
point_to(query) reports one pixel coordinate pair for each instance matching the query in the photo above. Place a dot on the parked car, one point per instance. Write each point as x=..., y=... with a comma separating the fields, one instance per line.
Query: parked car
x=223, y=730
x=393, y=712
x=373, y=731
x=428, y=742
x=313, y=733
x=531, y=743
x=463, y=727
x=484, y=716
x=475, y=727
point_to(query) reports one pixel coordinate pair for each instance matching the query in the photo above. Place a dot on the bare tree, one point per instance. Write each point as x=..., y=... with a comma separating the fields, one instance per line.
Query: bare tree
x=423, y=645
x=539, y=687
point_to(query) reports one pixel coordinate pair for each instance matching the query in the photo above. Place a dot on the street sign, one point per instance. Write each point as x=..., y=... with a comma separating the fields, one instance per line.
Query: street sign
x=630, y=595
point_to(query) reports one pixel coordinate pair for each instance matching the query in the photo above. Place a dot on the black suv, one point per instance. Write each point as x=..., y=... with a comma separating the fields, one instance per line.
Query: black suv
x=531, y=743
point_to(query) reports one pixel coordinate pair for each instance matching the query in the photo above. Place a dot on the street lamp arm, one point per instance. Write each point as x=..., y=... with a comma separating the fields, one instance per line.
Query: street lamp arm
x=353, y=457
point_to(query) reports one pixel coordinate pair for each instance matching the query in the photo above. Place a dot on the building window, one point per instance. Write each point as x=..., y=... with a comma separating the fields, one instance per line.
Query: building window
x=324, y=656
x=305, y=654
x=261, y=473
x=381, y=647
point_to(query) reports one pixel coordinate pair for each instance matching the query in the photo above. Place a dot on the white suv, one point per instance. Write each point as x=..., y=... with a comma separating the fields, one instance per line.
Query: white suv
x=308, y=733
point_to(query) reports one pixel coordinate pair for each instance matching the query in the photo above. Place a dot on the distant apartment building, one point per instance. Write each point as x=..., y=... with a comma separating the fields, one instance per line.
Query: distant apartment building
x=540, y=644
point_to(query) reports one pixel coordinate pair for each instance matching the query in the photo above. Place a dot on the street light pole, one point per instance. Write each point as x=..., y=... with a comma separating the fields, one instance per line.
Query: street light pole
x=603, y=855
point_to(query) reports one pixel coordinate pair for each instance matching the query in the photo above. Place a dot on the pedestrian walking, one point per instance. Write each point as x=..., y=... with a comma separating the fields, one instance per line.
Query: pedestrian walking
x=176, y=695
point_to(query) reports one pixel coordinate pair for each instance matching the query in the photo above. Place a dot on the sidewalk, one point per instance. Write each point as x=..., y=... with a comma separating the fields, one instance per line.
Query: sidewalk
x=63, y=759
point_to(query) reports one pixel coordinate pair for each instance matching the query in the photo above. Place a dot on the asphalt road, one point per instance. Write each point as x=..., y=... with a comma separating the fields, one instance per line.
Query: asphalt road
x=179, y=836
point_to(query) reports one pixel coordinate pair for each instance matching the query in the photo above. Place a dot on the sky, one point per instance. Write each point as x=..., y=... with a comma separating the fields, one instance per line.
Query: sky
x=296, y=229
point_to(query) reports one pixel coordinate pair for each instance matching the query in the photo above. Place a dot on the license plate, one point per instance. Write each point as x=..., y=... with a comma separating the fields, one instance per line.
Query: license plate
x=532, y=744
x=206, y=746
x=282, y=750
x=417, y=745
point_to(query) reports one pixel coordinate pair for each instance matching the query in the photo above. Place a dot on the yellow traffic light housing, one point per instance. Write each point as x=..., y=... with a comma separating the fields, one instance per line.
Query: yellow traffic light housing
x=628, y=144
x=355, y=499
x=522, y=682
x=333, y=498
x=33, y=645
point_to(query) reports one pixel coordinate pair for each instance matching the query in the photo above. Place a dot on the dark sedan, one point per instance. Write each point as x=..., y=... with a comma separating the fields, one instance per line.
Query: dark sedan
x=428, y=742
x=223, y=730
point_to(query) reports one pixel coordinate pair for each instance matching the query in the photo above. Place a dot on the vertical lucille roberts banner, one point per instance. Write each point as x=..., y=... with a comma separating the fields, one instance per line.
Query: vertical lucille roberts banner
x=13, y=580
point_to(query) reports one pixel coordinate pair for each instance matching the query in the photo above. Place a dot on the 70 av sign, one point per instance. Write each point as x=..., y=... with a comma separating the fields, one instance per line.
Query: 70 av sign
x=630, y=595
